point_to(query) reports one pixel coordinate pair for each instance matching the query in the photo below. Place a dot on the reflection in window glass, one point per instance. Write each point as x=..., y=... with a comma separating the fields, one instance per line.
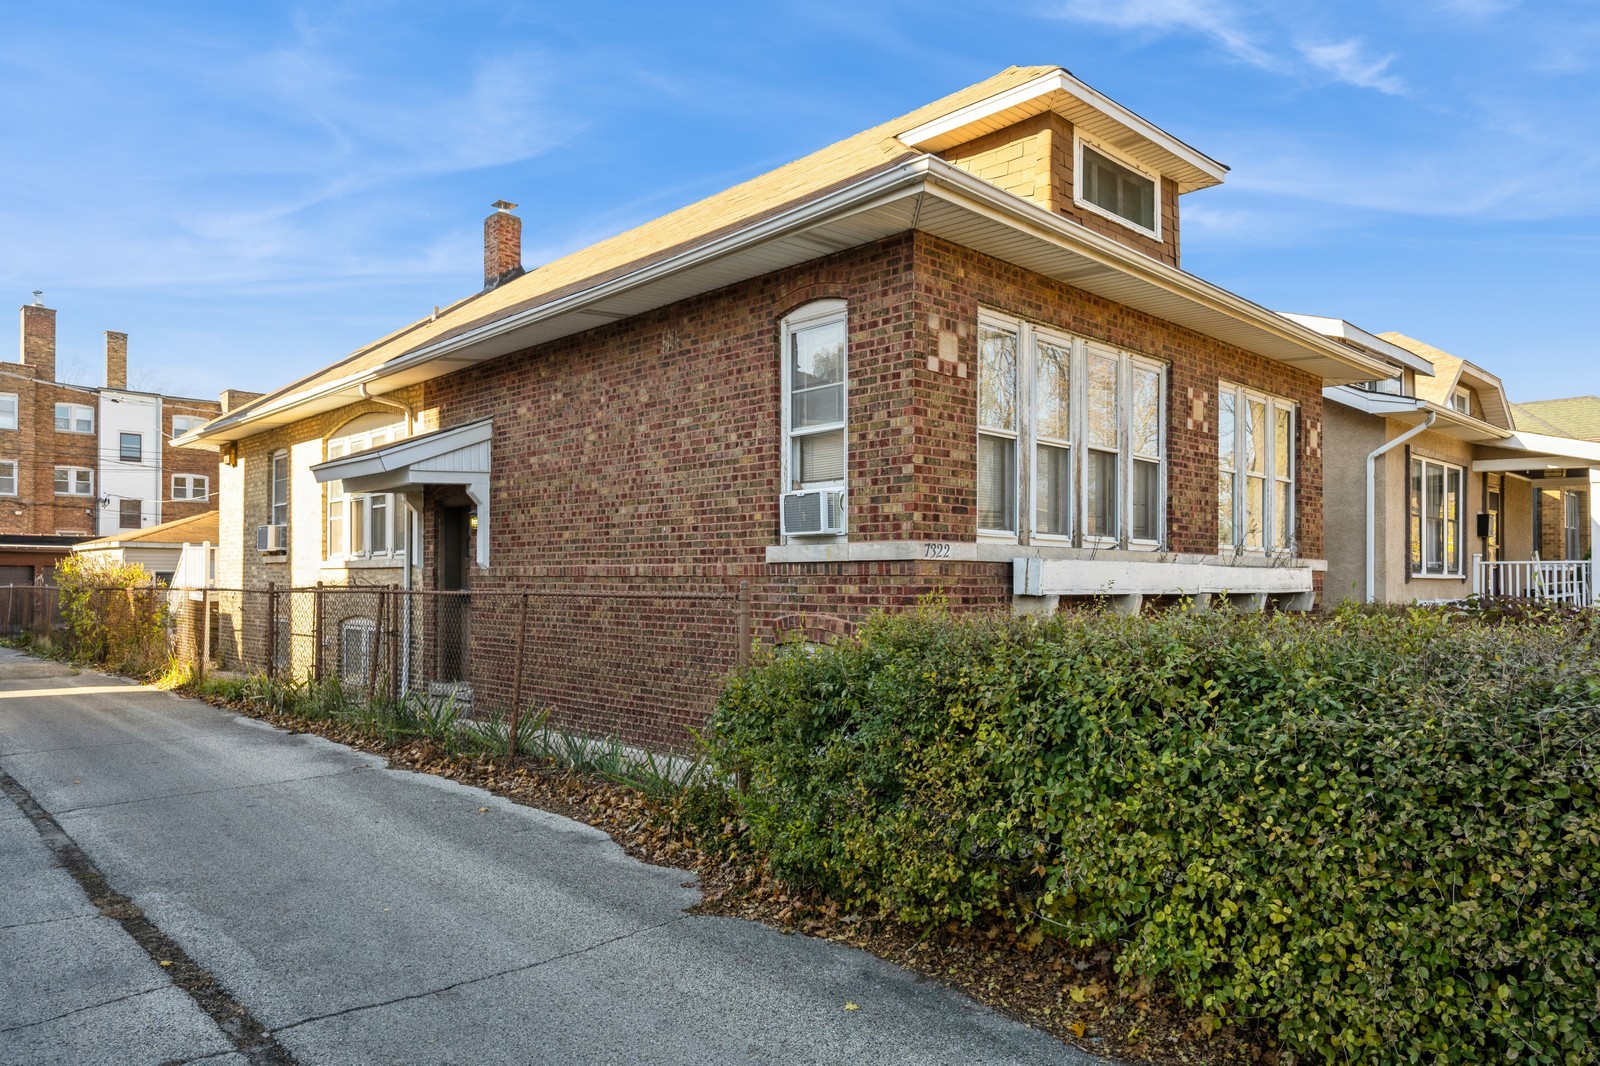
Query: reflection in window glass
x=997, y=473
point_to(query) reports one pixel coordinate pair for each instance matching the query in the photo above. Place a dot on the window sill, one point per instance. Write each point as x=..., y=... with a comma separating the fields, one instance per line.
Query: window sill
x=1438, y=577
x=1001, y=551
x=384, y=563
x=1112, y=216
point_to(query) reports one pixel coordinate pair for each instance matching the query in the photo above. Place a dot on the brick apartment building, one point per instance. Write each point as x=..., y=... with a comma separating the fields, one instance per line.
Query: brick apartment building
x=78, y=462
x=953, y=354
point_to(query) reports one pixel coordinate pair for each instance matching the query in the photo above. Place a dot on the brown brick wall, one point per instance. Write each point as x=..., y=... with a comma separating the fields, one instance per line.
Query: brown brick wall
x=186, y=460
x=38, y=449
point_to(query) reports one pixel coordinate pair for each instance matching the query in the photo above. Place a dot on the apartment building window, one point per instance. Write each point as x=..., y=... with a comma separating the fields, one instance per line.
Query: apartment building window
x=279, y=489
x=1436, y=502
x=130, y=447
x=191, y=487
x=74, y=481
x=74, y=418
x=8, y=477
x=182, y=424
x=1071, y=439
x=8, y=410
x=130, y=514
x=363, y=525
x=1117, y=189
x=1255, y=471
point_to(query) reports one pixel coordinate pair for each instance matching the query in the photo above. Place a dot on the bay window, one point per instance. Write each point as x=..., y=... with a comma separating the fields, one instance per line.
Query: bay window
x=1255, y=471
x=1071, y=439
x=1437, y=498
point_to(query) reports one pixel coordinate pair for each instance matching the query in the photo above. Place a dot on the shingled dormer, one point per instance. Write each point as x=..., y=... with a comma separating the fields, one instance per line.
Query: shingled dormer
x=1077, y=154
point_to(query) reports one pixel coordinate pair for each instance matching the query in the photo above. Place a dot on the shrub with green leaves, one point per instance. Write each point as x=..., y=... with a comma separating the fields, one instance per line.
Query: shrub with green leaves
x=115, y=615
x=1375, y=834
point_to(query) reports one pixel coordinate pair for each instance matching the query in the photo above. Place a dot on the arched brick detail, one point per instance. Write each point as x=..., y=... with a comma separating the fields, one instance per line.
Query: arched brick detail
x=816, y=628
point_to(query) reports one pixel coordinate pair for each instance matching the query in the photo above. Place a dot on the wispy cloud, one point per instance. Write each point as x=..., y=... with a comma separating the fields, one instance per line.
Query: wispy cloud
x=1348, y=61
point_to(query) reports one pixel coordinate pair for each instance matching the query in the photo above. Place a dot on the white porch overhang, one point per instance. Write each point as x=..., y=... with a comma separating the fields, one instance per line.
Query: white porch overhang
x=1409, y=410
x=456, y=456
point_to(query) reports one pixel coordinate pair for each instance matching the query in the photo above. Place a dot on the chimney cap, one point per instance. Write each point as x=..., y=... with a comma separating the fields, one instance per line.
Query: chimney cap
x=38, y=297
x=503, y=206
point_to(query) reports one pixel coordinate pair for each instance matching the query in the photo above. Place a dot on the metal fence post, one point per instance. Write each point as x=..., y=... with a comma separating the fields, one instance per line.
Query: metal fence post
x=205, y=630
x=396, y=606
x=272, y=629
x=377, y=645
x=516, y=698
x=316, y=632
x=743, y=622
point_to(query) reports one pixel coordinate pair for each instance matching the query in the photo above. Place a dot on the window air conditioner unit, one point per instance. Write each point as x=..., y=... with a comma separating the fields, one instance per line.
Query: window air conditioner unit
x=272, y=538
x=813, y=512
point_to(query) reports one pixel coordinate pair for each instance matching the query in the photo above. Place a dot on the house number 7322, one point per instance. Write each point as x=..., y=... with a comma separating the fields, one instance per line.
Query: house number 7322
x=936, y=551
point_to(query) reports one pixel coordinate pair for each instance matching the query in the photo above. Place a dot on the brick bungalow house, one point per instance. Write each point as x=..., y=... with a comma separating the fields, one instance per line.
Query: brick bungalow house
x=955, y=353
x=1464, y=496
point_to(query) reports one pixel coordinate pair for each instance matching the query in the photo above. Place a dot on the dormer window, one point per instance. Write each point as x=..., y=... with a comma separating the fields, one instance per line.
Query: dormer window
x=1113, y=188
x=1461, y=400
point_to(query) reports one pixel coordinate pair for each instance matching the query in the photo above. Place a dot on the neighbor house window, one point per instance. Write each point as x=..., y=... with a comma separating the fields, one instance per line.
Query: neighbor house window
x=74, y=418
x=8, y=410
x=130, y=447
x=1071, y=439
x=1461, y=400
x=1255, y=470
x=8, y=477
x=182, y=424
x=74, y=481
x=279, y=488
x=129, y=514
x=1111, y=187
x=363, y=524
x=1436, y=501
x=357, y=640
x=191, y=487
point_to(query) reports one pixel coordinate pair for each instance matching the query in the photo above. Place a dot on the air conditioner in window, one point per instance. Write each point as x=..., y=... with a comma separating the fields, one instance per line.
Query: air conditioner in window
x=272, y=538
x=813, y=512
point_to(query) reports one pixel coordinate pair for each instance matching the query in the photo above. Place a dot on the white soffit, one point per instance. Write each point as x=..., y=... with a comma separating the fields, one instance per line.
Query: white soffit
x=1096, y=116
x=1340, y=330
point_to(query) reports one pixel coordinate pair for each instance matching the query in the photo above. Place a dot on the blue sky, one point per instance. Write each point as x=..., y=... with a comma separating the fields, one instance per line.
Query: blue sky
x=253, y=190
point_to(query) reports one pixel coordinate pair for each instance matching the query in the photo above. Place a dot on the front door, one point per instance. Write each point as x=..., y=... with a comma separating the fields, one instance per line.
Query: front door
x=455, y=579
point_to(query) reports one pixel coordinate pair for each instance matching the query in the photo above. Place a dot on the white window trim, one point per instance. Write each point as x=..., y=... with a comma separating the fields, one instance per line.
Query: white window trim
x=370, y=629
x=1233, y=542
x=15, y=418
x=1461, y=400
x=815, y=313
x=12, y=463
x=1460, y=568
x=336, y=497
x=190, y=481
x=71, y=479
x=72, y=417
x=272, y=487
x=1078, y=141
x=1027, y=440
x=196, y=420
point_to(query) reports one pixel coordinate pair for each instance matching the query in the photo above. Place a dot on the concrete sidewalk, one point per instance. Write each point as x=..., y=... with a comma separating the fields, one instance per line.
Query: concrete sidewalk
x=366, y=915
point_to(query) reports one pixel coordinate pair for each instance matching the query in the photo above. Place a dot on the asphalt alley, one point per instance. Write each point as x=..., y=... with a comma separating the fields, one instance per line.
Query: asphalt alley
x=313, y=906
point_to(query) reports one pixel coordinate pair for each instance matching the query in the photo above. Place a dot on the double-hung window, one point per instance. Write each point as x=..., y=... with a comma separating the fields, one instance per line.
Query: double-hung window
x=363, y=525
x=1572, y=507
x=279, y=488
x=191, y=487
x=8, y=410
x=130, y=447
x=815, y=426
x=182, y=424
x=74, y=481
x=74, y=418
x=1255, y=471
x=130, y=514
x=1437, y=500
x=1071, y=439
x=8, y=477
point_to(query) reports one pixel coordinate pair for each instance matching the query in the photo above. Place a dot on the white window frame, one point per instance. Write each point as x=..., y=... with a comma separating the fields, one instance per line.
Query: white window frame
x=278, y=505
x=350, y=519
x=193, y=486
x=1451, y=569
x=75, y=475
x=816, y=313
x=361, y=668
x=1274, y=484
x=1023, y=505
x=1572, y=519
x=1461, y=400
x=190, y=423
x=8, y=473
x=9, y=410
x=1078, y=143
x=75, y=415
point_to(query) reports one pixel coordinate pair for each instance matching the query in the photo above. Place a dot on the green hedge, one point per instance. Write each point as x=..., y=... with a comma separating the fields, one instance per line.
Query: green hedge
x=1376, y=834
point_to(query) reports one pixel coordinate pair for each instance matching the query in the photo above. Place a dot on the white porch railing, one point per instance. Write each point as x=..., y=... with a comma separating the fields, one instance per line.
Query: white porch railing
x=1559, y=580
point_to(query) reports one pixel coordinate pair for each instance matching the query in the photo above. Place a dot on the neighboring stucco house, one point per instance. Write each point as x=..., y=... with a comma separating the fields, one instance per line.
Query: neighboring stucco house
x=1463, y=497
x=954, y=353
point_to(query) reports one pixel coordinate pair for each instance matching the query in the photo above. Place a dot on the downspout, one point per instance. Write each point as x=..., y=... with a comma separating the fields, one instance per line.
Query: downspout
x=410, y=545
x=1372, y=500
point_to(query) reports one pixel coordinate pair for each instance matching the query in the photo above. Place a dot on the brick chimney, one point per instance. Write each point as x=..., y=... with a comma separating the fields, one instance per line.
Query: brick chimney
x=233, y=398
x=502, y=245
x=39, y=338
x=116, y=360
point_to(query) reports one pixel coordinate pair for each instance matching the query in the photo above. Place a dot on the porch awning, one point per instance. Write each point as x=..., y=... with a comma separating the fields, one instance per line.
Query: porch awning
x=456, y=456
x=1545, y=456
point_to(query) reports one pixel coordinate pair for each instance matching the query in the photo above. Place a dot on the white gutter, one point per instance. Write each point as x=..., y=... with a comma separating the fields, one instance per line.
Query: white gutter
x=1372, y=499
